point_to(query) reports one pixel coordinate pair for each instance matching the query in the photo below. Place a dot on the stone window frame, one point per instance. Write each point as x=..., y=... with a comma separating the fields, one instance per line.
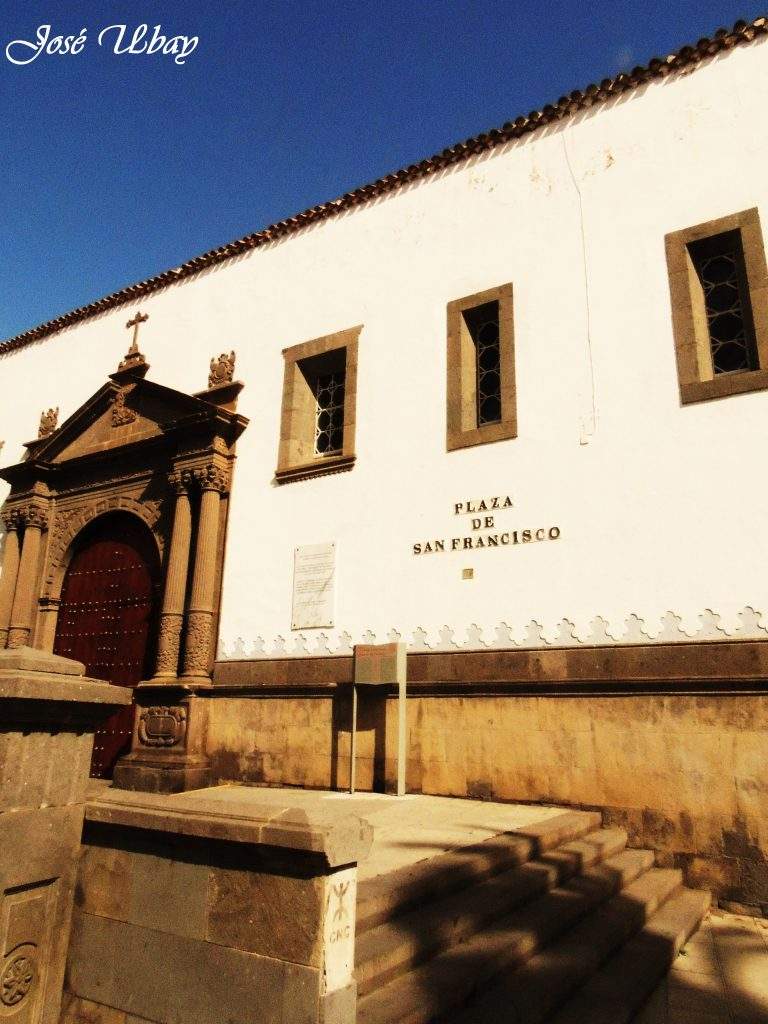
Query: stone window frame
x=295, y=420
x=695, y=384
x=462, y=430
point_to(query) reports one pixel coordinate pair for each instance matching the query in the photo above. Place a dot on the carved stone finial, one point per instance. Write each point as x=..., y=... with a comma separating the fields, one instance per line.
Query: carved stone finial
x=134, y=358
x=48, y=421
x=121, y=414
x=222, y=370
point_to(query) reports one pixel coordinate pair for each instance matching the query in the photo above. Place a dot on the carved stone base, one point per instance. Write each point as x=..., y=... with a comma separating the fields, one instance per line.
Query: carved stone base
x=161, y=775
x=168, y=749
x=18, y=636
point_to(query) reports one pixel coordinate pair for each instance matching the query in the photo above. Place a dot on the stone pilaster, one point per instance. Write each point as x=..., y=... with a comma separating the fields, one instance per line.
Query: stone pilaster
x=48, y=620
x=197, y=648
x=10, y=572
x=36, y=519
x=172, y=613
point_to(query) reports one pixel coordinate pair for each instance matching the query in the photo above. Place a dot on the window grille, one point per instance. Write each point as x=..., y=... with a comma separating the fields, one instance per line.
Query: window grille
x=481, y=405
x=719, y=265
x=317, y=420
x=483, y=324
x=329, y=413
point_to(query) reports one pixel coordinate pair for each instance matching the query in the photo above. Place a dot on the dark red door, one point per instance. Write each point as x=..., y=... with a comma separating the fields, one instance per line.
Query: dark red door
x=106, y=618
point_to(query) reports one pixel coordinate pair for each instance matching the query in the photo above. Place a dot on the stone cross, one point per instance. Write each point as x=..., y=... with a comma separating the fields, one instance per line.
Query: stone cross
x=133, y=358
x=137, y=321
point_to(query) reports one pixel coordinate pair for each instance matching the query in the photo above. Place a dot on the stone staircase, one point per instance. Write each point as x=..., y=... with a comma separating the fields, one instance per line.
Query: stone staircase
x=561, y=924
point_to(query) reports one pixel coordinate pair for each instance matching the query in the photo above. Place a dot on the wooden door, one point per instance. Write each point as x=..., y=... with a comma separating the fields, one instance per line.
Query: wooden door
x=107, y=616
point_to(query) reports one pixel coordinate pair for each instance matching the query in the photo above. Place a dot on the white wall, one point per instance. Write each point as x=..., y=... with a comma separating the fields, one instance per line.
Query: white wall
x=662, y=508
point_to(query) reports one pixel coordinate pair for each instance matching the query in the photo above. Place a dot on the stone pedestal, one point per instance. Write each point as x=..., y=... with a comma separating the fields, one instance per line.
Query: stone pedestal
x=213, y=907
x=48, y=715
x=168, y=749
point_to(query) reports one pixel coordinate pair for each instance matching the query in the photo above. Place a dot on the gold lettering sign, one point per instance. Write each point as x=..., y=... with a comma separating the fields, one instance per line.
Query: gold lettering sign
x=485, y=533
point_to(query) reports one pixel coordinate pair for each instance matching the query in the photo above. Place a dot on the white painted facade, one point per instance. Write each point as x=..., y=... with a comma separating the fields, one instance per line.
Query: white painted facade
x=662, y=508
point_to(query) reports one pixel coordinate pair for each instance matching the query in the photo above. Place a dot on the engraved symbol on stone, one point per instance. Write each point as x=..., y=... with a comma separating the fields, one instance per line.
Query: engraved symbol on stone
x=222, y=370
x=162, y=726
x=16, y=980
x=340, y=892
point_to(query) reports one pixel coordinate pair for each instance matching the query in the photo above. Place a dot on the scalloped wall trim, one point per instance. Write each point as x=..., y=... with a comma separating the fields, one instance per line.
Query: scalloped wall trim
x=749, y=624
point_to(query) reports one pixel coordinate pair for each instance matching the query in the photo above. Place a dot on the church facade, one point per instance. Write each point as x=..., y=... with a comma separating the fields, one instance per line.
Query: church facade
x=507, y=407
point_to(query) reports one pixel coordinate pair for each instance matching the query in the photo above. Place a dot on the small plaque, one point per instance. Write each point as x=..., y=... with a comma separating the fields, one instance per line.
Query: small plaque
x=378, y=664
x=314, y=584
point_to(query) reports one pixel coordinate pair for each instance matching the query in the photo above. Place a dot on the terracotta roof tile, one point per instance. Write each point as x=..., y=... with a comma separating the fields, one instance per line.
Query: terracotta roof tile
x=688, y=57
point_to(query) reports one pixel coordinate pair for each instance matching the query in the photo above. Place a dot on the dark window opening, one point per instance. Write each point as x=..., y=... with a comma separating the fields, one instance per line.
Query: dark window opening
x=483, y=325
x=325, y=375
x=718, y=262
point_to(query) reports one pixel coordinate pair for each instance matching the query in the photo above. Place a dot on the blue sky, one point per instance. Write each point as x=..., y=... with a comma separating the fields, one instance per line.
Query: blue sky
x=115, y=167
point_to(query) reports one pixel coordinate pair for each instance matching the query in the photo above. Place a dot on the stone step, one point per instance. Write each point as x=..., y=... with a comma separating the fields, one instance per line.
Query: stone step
x=383, y=897
x=530, y=994
x=453, y=976
x=615, y=993
x=407, y=940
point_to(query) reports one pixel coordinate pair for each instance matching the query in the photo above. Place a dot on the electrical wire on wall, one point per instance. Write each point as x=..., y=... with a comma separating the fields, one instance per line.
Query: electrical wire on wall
x=588, y=424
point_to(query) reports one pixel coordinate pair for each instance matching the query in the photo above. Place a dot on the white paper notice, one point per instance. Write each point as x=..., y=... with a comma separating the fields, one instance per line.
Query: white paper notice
x=314, y=579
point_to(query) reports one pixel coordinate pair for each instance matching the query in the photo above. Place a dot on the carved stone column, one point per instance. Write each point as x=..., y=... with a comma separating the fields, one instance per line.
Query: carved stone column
x=197, y=648
x=168, y=750
x=172, y=614
x=21, y=614
x=10, y=572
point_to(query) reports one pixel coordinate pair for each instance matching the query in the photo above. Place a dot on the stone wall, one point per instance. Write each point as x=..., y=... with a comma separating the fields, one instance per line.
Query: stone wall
x=212, y=912
x=683, y=771
x=49, y=712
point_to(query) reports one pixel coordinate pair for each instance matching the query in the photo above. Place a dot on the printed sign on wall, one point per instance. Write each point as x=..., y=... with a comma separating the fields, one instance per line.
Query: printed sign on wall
x=314, y=580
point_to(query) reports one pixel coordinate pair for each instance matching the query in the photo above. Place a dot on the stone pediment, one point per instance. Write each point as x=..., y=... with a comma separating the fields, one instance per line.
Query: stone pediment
x=131, y=418
x=119, y=414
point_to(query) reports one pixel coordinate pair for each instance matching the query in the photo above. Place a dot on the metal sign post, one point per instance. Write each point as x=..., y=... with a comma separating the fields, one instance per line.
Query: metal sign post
x=381, y=665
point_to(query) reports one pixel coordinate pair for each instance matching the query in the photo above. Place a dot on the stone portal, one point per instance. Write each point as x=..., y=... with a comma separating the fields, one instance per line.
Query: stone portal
x=114, y=551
